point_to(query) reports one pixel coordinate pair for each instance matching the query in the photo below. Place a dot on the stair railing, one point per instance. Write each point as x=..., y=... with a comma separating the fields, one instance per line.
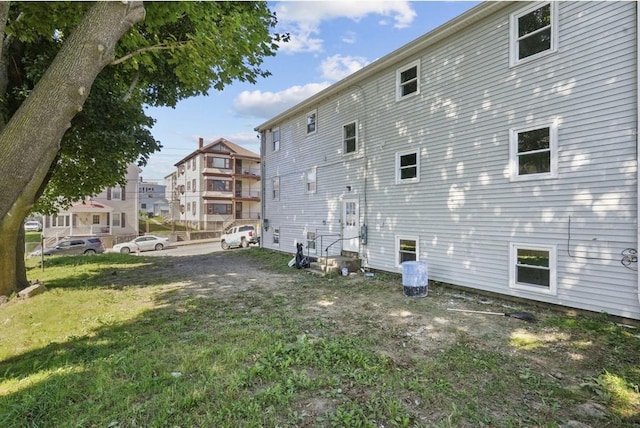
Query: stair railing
x=326, y=259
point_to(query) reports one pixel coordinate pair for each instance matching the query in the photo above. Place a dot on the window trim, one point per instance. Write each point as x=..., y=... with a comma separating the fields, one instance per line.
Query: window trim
x=275, y=143
x=311, y=177
x=276, y=232
x=552, y=290
x=398, y=175
x=312, y=249
x=399, y=238
x=513, y=33
x=275, y=188
x=399, y=85
x=314, y=114
x=553, y=150
x=344, y=138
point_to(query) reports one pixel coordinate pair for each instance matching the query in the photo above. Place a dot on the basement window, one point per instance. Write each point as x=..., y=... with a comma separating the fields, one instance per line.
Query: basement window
x=533, y=268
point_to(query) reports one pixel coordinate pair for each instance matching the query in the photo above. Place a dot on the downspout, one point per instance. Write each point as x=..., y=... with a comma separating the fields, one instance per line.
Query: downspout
x=263, y=187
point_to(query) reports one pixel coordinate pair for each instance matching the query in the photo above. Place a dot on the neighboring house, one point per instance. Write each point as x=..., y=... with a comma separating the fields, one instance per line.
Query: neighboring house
x=217, y=185
x=172, y=195
x=500, y=148
x=110, y=214
x=152, y=199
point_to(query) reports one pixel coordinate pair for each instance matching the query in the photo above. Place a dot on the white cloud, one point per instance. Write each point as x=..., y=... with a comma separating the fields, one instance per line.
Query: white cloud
x=302, y=19
x=337, y=67
x=266, y=105
x=349, y=38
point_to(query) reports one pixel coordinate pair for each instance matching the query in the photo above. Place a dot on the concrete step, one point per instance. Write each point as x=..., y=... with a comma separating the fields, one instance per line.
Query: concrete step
x=334, y=265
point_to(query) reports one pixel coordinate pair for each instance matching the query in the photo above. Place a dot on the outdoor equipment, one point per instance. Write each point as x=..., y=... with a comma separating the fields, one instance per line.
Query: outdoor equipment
x=301, y=260
x=520, y=315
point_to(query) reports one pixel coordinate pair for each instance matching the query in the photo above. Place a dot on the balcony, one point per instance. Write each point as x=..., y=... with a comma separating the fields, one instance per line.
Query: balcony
x=247, y=173
x=247, y=195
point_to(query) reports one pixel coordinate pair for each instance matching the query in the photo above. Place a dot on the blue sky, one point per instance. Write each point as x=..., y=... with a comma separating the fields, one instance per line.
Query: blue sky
x=329, y=41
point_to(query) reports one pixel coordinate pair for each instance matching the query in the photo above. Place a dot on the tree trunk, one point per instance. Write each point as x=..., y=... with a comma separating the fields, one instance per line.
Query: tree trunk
x=31, y=139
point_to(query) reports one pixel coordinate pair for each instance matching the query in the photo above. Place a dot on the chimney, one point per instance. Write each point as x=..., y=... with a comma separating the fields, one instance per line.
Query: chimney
x=200, y=142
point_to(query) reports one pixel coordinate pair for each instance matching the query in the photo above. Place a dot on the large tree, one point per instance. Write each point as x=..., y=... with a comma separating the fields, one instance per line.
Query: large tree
x=74, y=78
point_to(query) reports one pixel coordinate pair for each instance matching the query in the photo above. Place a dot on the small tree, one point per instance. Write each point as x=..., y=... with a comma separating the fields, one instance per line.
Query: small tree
x=69, y=128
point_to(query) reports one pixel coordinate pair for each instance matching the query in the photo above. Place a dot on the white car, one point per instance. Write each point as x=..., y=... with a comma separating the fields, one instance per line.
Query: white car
x=142, y=243
x=32, y=226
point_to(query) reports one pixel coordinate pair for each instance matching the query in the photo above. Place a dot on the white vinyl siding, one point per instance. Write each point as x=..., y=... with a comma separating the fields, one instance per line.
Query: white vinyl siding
x=466, y=210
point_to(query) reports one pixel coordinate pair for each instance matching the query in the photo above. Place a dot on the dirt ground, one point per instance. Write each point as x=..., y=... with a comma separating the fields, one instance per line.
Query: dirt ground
x=412, y=326
x=361, y=302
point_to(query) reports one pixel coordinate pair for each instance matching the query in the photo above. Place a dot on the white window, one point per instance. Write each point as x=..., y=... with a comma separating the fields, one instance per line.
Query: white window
x=311, y=241
x=193, y=208
x=275, y=184
x=534, y=32
x=350, y=137
x=116, y=193
x=406, y=249
x=408, y=80
x=95, y=219
x=188, y=186
x=61, y=221
x=407, y=167
x=276, y=236
x=533, y=152
x=533, y=268
x=311, y=180
x=312, y=122
x=193, y=184
x=275, y=135
x=116, y=219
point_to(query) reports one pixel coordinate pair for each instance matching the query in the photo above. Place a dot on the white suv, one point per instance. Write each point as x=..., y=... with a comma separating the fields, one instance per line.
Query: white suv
x=239, y=236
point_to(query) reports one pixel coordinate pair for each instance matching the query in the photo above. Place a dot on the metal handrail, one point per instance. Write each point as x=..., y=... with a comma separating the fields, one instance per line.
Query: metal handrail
x=326, y=259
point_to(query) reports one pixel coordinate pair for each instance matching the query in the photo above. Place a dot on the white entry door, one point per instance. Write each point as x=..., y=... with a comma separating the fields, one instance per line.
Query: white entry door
x=350, y=225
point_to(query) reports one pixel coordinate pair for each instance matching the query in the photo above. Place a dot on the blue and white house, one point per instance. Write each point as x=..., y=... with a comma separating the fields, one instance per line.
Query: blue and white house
x=501, y=148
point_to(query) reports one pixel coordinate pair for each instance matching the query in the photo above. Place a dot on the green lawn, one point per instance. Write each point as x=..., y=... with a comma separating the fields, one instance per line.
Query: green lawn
x=131, y=341
x=156, y=225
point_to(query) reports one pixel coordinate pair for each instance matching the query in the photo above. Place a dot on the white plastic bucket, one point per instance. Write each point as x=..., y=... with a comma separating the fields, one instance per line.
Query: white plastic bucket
x=415, y=278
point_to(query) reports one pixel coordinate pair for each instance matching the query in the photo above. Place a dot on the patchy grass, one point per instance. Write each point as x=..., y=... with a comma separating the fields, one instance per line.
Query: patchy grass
x=31, y=237
x=239, y=339
x=157, y=226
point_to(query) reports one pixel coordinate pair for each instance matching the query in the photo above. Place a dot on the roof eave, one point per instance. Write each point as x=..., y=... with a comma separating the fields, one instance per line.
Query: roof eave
x=405, y=52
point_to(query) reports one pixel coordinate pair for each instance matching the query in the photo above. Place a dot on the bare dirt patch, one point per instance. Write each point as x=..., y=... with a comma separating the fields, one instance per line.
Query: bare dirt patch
x=410, y=328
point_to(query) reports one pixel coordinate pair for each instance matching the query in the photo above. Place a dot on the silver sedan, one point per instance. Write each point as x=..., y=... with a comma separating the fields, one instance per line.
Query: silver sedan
x=142, y=243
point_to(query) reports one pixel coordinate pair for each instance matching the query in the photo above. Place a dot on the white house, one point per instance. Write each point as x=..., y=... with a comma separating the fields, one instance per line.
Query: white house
x=152, y=199
x=500, y=148
x=111, y=214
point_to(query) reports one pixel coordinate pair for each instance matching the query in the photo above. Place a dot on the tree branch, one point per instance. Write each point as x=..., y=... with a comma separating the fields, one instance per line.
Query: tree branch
x=161, y=47
x=132, y=87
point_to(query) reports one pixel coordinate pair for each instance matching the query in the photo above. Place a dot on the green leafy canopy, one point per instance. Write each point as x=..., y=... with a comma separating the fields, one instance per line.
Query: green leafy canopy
x=180, y=50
